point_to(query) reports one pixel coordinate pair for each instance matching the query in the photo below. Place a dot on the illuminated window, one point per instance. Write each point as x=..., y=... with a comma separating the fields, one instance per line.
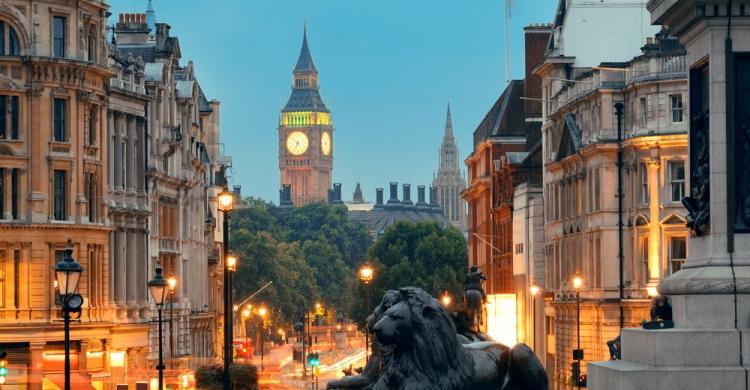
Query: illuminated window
x=677, y=253
x=677, y=180
x=675, y=103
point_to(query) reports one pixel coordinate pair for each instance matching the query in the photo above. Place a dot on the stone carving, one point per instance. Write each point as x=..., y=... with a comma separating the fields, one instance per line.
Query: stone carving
x=698, y=203
x=416, y=346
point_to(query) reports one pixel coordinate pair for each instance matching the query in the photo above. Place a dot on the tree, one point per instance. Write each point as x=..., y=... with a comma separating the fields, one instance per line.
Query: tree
x=423, y=255
x=308, y=252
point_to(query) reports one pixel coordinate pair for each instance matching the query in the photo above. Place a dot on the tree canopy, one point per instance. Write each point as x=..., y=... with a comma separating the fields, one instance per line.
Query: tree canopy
x=308, y=252
x=423, y=255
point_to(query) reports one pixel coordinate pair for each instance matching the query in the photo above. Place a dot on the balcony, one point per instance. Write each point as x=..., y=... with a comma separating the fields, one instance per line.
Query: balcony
x=657, y=68
x=169, y=245
x=126, y=86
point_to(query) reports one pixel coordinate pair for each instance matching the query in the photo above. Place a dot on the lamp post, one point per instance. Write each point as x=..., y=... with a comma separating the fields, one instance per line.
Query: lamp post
x=534, y=290
x=67, y=275
x=226, y=202
x=158, y=288
x=262, y=312
x=578, y=353
x=366, y=275
x=172, y=282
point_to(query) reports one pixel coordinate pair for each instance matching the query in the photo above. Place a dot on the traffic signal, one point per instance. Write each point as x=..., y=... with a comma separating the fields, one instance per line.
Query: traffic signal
x=3, y=367
x=313, y=359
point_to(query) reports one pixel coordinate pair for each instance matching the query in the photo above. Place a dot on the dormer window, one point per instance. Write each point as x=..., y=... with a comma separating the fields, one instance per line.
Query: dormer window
x=9, y=44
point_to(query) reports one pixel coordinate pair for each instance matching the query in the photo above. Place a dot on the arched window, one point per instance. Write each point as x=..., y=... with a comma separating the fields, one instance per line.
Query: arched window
x=9, y=44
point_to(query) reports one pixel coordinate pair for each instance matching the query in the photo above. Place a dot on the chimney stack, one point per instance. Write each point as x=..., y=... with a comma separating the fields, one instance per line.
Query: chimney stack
x=420, y=195
x=393, y=200
x=433, y=201
x=407, y=194
x=237, y=189
x=379, y=197
x=337, y=193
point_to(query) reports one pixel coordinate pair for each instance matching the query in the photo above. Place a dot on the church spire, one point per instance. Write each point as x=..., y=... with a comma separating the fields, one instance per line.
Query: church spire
x=305, y=61
x=151, y=18
x=448, y=124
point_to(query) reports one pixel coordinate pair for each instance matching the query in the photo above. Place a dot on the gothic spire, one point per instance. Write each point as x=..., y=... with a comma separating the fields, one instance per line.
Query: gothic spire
x=358, y=198
x=448, y=124
x=151, y=18
x=305, y=61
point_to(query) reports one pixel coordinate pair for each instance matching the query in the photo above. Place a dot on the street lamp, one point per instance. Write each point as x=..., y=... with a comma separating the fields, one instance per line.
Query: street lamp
x=578, y=353
x=366, y=274
x=172, y=282
x=262, y=312
x=158, y=288
x=67, y=275
x=225, y=204
x=446, y=299
x=534, y=290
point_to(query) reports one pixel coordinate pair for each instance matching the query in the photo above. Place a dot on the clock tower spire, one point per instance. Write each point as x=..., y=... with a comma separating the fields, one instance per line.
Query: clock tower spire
x=306, y=134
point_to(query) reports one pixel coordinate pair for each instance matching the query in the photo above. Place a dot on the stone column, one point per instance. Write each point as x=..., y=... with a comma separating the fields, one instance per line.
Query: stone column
x=112, y=156
x=654, y=227
x=120, y=276
x=133, y=254
x=130, y=151
x=117, y=158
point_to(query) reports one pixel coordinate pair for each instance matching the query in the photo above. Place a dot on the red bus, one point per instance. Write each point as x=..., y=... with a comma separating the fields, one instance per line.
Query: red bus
x=243, y=348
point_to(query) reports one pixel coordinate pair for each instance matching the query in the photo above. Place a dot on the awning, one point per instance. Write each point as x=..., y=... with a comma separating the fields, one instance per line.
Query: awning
x=78, y=381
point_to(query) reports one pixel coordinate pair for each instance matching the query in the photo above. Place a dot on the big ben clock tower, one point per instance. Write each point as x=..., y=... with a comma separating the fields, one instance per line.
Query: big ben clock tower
x=306, y=135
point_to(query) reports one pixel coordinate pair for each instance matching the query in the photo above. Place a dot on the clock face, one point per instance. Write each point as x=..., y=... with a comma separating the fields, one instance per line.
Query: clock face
x=325, y=144
x=296, y=143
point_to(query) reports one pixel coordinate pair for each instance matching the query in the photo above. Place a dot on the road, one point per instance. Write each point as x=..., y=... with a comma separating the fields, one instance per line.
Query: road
x=280, y=372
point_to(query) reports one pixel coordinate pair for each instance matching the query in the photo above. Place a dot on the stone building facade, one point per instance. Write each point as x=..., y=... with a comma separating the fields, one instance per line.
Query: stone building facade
x=183, y=159
x=450, y=180
x=96, y=136
x=579, y=142
x=53, y=157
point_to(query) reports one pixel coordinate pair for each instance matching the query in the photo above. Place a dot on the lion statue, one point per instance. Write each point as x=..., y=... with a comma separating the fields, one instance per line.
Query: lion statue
x=422, y=351
x=373, y=368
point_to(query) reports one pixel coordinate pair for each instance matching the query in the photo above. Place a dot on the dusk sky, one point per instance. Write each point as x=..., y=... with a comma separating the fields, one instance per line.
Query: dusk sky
x=387, y=69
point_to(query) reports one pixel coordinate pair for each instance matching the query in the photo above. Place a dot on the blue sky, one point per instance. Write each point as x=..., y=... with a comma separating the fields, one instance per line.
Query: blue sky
x=387, y=69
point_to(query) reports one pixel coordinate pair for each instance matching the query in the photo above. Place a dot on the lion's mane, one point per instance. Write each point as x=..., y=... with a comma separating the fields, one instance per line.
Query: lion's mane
x=433, y=358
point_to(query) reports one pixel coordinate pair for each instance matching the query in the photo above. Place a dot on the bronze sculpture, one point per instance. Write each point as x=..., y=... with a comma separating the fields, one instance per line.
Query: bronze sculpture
x=418, y=348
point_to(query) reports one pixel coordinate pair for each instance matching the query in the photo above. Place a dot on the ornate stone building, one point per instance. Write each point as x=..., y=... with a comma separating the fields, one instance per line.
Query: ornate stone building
x=580, y=146
x=306, y=135
x=449, y=180
x=182, y=158
x=53, y=158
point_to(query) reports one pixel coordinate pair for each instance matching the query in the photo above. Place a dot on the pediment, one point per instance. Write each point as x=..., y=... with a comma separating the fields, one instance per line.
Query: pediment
x=674, y=219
